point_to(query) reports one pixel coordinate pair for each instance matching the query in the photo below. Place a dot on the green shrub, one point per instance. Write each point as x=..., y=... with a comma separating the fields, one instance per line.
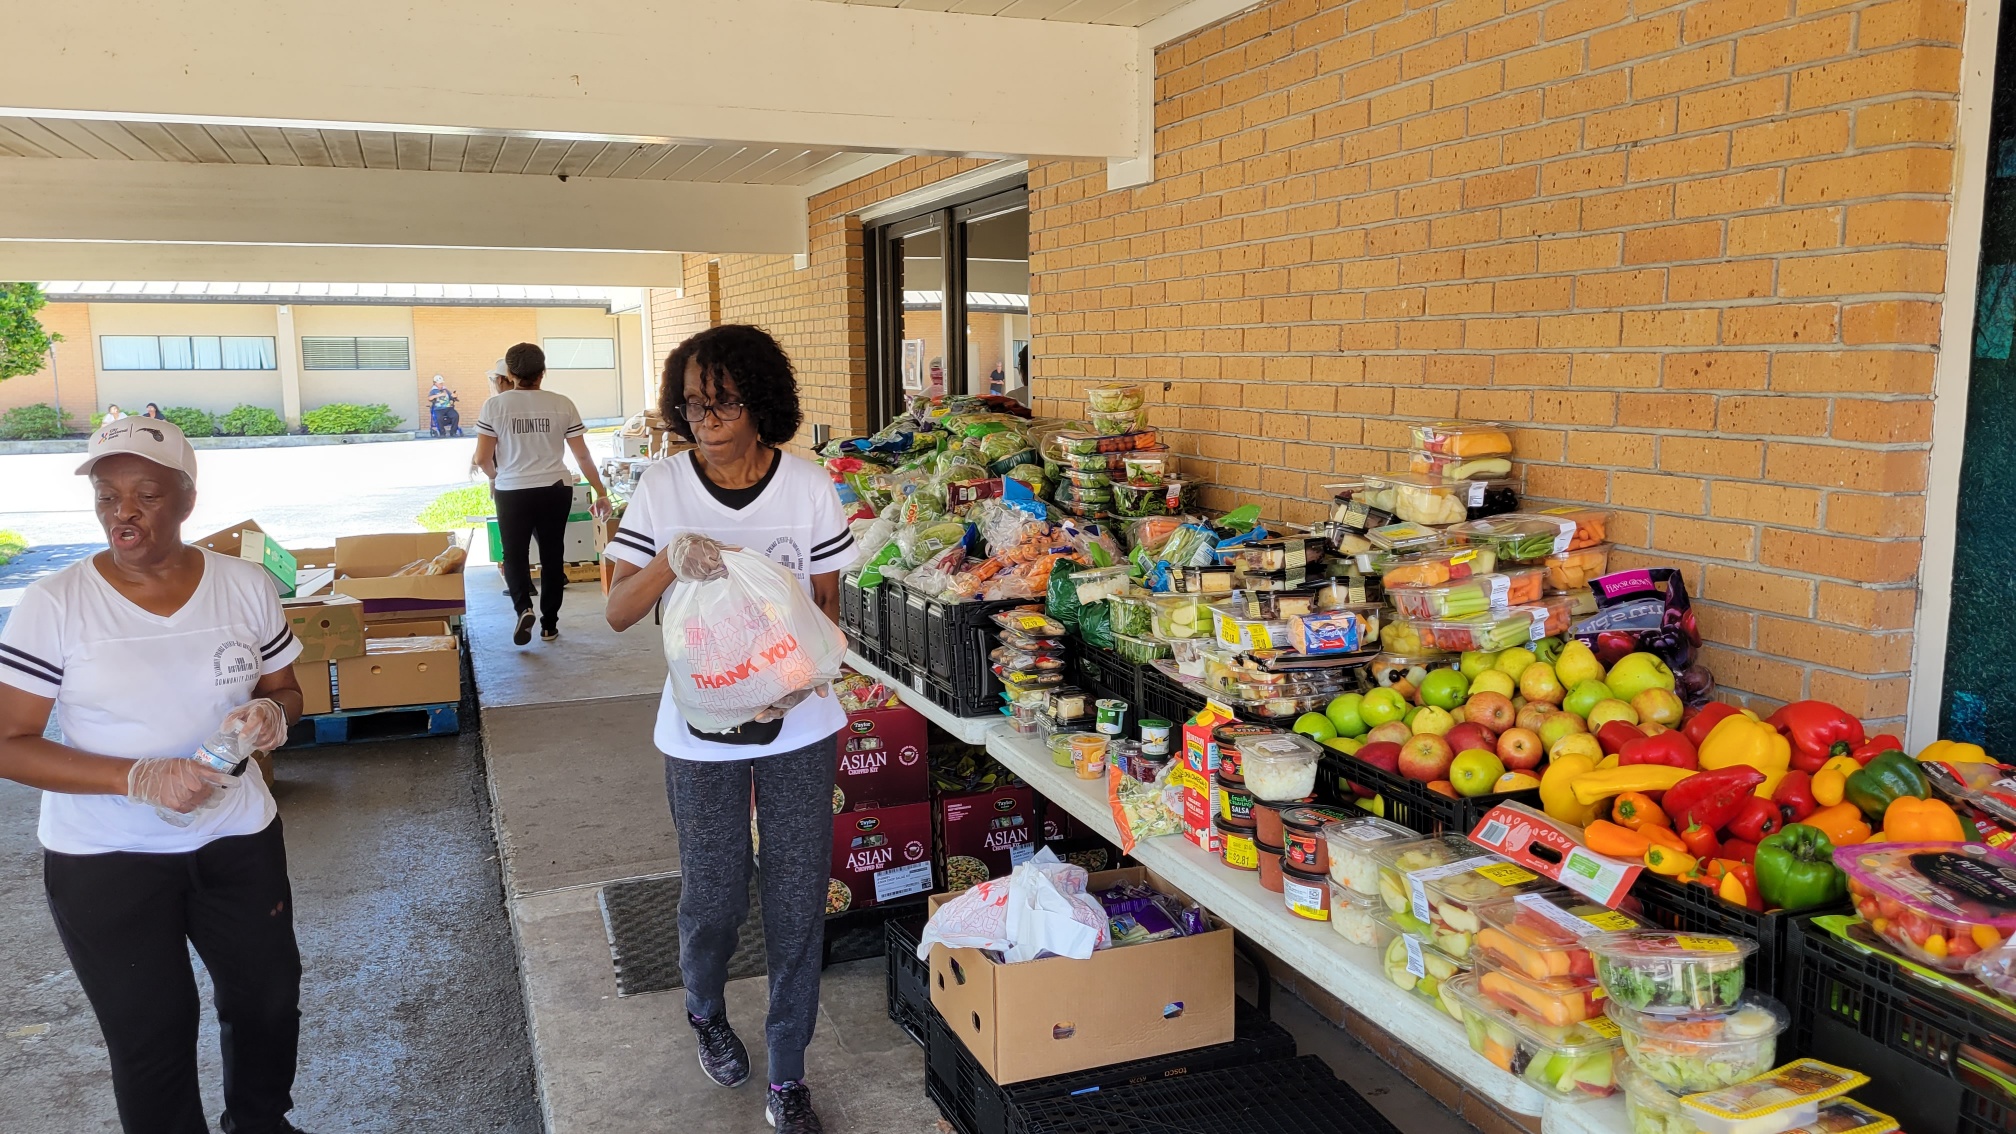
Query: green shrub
x=12, y=544
x=192, y=421
x=251, y=421
x=451, y=511
x=33, y=423
x=342, y=417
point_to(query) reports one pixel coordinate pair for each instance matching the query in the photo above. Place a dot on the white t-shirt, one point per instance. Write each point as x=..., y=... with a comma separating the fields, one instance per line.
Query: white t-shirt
x=797, y=521
x=531, y=428
x=134, y=684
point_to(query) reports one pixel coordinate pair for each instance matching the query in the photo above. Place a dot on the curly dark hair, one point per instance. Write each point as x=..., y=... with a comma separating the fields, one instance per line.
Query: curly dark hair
x=759, y=368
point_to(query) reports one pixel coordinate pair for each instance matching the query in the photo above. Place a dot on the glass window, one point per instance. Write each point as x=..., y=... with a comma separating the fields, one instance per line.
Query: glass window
x=175, y=353
x=130, y=352
x=997, y=304
x=207, y=353
x=247, y=353
x=333, y=353
x=579, y=354
x=920, y=261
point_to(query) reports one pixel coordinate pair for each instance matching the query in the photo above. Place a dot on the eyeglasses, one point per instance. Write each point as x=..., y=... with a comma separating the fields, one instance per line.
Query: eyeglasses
x=722, y=411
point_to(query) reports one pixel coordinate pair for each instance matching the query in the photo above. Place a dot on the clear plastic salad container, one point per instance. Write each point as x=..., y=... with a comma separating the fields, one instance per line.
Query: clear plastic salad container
x=1074, y=442
x=1352, y=843
x=1665, y=973
x=1411, y=961
x=1905, y=891
x=1449, y=466
x=1279, y=767
x=1165, y=499
x=1573, y=570
x=1454, y=900
x=1089, y=478
x=1418, y=497
x=1148, y=470
x=1490, y=632
x=1069, y=495
x=1513, y=586
x=1541, y=936
x=1592, y=525
x=1405, y=869
x=1116, y=398
x=1115, y=423
x=1132, y=613
x=1463, y=438
x=1432, y=568
x=1139, y=650
x=1651, y=1108
x=1518, y=537
x=1180, y=616
x=1558, y=1004
x=1578, y=1061
x=1357, y=918
x=1703, y=1052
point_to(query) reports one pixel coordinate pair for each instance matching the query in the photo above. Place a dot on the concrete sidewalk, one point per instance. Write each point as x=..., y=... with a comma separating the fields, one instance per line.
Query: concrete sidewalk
x=579, y=801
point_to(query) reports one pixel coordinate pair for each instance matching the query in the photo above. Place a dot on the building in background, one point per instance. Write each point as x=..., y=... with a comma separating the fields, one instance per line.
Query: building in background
x=295, y=347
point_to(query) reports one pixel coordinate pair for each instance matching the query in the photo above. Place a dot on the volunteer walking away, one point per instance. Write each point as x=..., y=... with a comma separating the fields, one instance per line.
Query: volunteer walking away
x=522, y=437
x=731, y=391
x=145, y=651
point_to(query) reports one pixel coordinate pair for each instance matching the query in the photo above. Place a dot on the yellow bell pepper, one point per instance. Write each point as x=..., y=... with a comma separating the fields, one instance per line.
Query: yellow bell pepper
x=1922, y=821
x=1594, y=786
x=1954, y=752
x=1737, y=739
x=1557, y=796
x=1842, y=822
x=1830, y=783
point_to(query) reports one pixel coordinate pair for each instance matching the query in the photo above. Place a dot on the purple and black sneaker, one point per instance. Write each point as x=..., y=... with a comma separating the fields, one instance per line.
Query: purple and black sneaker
x=722, y=1055
x=790, y=1109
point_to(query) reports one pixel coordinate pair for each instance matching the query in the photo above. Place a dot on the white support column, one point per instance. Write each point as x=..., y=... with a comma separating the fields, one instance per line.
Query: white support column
x=287, y=353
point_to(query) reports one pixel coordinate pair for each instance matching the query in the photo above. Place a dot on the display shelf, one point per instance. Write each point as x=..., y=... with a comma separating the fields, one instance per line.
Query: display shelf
x=1349, y=972
x=972, y=730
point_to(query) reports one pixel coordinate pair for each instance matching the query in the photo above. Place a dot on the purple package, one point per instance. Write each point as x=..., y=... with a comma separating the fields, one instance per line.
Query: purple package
x=1647, y=609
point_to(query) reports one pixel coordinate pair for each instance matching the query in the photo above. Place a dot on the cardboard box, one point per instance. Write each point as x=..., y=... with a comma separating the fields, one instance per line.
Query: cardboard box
x=881, y=761
x=880, y=855
x=329, y=628
x=317, y=688
x=400, y=671
x=363, y=564
x=1057, y=1015
x=315, y=570
x=428, y=628
x=248, y=541
x=996, y=827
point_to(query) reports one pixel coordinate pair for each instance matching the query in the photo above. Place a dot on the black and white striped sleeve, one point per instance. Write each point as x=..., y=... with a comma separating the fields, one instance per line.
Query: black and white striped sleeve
x=31, y=645
x=278, y=647
x=575, y=426
x=634, y=542
x=833, y=541
x=486, y=418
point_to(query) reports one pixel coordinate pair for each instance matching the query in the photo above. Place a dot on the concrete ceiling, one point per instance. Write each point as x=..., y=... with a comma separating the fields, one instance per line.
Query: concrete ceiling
x=1119, y=13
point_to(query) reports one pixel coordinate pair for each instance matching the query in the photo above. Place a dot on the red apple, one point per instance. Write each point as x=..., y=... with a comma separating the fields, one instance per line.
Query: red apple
x=1425, y=757
x=1531, y=714
x=1519, y=748
x=1392, y=732
x=1492, y=710
x=1384, y=755
x=1470, y=735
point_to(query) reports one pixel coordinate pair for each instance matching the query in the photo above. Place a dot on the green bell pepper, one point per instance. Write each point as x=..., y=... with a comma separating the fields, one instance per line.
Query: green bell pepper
x=1795, y=870
x=1889, y=776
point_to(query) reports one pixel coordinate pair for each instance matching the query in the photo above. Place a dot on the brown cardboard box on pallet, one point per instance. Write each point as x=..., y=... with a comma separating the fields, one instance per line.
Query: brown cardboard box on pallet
x=424, y=670
x=1057, y=1015
x=364, y=565
x=329, y=627
x=317, y=695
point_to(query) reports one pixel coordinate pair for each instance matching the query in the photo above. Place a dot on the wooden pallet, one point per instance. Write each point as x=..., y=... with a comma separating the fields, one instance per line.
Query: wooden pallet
x=582, y=572
x=398, y=722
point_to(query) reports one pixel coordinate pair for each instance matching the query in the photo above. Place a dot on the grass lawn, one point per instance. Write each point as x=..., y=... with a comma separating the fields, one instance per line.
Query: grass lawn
x=451, y=511
x=12, y=544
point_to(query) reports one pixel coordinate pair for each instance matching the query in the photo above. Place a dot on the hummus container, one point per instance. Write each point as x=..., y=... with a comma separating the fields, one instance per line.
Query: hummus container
x=1278, y=766
x=1351, y=843
x=1579, y=1061
x=1700, y=1053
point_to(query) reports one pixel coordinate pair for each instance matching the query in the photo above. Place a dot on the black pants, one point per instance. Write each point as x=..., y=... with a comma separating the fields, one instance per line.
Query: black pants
x=127, y=921
x=524, y=514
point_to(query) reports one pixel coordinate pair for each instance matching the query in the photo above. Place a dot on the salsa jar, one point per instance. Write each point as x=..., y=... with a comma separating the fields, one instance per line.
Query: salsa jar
x=1235, y=803
x=1270, y=866
x=1236, y=847
x=1302, y=836
x=1306, y=892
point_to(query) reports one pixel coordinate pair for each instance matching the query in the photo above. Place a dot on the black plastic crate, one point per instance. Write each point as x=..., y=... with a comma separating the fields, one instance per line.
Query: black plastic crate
x=974, y=1104
x=960, y=634
x=1103, y=673
x=1298, y=1094
x=909, y=978
x=1167, y=698
x=913, y=608
x=979, y=695
x=1409, y=802
x=1697, y=909
x=1907, y=1033
x=850, y=605
x=873, y=630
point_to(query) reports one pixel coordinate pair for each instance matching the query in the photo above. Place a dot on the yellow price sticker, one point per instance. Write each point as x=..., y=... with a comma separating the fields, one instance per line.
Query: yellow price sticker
x=1601, y=1025
x=1506, y=874
x=1692, y=944
x=1610, y=919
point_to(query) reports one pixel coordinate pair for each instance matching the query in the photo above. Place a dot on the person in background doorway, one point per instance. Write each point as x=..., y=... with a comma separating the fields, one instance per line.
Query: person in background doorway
x=731, y=392
x=112, y=413
x=144, y=651
x=522, y=438
x=153, y=411
x=441, y=405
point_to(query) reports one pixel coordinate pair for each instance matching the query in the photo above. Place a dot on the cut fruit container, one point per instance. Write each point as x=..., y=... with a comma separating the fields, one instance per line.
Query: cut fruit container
x=1454, y=900
x=1449, y=466
x=1592, y=525
x=1541, y=935
x=1928, y=899
x=1574, y=570
x=1560, y=1003
x=1179, y=616
x=1406, y=869
x=1431, y=568
x=1411, y=961
x=1462, y=438
x=1479, y=594
x=1351, y=845
x=1419, y=498
x=1579, y=1061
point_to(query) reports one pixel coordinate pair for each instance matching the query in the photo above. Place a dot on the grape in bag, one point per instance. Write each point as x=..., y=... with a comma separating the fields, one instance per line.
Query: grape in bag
x=739, y=644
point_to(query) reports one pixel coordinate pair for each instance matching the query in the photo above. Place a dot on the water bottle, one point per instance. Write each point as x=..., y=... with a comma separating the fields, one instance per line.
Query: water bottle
x=226, y=752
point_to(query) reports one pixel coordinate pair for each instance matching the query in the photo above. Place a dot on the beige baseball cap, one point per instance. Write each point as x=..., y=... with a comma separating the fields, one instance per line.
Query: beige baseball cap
x=159, y=441
x=500, y=370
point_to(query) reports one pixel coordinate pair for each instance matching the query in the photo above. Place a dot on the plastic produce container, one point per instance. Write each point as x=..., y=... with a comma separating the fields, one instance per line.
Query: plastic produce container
x=1432, y=568
x=1282, y=553
x=1089, y=478
x=1116, y=398
x=1358, y=918
x=1148, y=470
x=1140, y=651
x=1574, y=570
x=1651, y=1108
x=1515, y=627
x=1541, y=935
x=1559, y=1003
x=1405, y=537
x=1671, y=974
x=1449, y=466
x=1578, y=1061
x=1411, y=961
x=1418, y=497
x=1496, y=591
x=1179, y=616
x=1069, y=495
x=1454, y=901
x=1164, y=499
x=1239, y=627
x=1703, y=1052
x=1206, y=580
x=1927, y=919
x=1406, y=869
x=1463, y=438
x=1279, y=767
x=1497, y=496
x=1592, y=525
x=1518, y=537
x=1352, y=843
x=1351, y=507
x=1082, y=443
x=1581, y=602
x=1132, y=613
x=1114, y=423
x=1095, y=583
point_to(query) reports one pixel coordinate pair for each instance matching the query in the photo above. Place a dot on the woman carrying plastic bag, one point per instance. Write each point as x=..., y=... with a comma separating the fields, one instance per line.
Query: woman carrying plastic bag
x=746, y=545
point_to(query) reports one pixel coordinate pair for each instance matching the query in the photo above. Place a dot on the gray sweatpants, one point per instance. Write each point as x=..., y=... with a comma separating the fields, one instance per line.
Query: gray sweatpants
x=794, y=815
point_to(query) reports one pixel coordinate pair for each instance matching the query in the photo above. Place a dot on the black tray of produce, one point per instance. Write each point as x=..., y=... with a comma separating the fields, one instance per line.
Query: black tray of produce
x=1166, y=698
x=1299, y=1094
x=1103, y=673
x=1409, y=802
x=975, y=1104
x=909, y=978
x=1915, y=1038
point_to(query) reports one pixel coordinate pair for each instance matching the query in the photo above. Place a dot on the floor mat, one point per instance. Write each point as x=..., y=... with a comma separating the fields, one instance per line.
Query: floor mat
x=642, y=921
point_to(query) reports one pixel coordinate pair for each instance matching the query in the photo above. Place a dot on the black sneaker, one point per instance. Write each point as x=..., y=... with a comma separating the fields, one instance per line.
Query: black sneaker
x=722, y=1055
x=549, y=633
x=523, y=633
x=790, y=1109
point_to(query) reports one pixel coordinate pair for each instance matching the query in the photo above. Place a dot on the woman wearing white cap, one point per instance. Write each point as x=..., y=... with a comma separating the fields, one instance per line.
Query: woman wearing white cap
x=144, y=650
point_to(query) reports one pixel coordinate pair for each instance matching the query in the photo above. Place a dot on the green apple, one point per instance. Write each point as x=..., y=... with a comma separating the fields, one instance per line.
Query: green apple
x=1343, y=714
x=1494, y=681
x=1547, y=649
x=1577, y=663
x=1475, y=662
x=1316, y=727
x=1475, y=771
x=1584, y=695
x=1611, y=709
x=1444, y=688
x=1432, y=719
x=1635, y=673
x=1559, y=724
x=1514, y=661
x=1381, y=705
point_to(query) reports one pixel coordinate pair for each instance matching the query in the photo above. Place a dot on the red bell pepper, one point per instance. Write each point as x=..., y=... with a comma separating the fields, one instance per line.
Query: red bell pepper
x=1740, y=850
x=1614, y=735
x=1818, y=731
x=1701, y=842
x=1794, y=797
x=1711, y=799
x=1746, y=873
x=1697, y=726
x=1669, y=748
x=1758, y=820
x=1876, y=746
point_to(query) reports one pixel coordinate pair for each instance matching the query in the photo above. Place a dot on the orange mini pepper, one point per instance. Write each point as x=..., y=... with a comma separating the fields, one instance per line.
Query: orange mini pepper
x=1664, y=837
x=1607, y=838
x=1922, y=821
x=1842, y=823
x=1635, y=809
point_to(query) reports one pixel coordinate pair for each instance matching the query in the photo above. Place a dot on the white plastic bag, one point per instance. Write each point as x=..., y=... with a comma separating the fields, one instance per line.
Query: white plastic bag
x=1040, y=908
x=738, y=644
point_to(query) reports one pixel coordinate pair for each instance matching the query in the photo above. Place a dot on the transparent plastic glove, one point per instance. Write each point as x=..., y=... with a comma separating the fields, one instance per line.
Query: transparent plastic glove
x=791, y=701
x=600, y=509
x=262, y=723
x=695, y=557
x=173, y=783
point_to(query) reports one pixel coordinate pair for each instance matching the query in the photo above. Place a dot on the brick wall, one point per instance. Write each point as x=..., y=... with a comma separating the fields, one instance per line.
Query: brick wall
x=76, y=369
x=461, y=344
x=1691, y=249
